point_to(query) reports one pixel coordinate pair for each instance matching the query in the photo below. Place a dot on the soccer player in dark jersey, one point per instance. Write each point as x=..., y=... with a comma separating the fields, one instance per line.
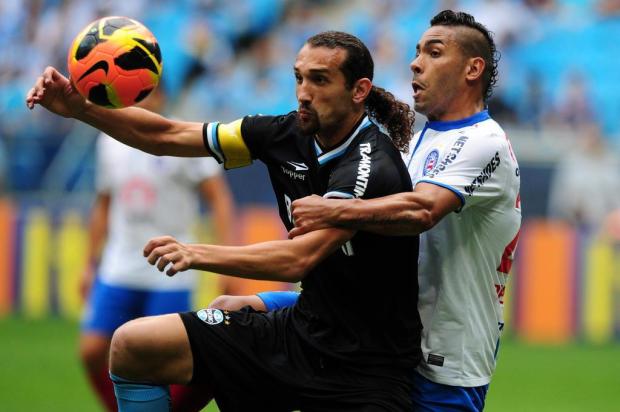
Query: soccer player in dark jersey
x=460, y=162
x=331, y=351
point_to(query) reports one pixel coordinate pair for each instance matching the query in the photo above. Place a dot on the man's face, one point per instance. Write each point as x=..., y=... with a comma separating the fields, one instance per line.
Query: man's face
x=438, y=71
x=324, y=100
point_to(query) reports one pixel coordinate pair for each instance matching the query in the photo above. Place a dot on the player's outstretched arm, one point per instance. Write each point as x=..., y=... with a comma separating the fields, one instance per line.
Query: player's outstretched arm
x=282, y=260
x=407, y=213
x=133, y=126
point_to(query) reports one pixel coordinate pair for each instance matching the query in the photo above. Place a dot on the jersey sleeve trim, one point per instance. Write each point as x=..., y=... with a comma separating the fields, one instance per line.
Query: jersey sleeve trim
x=338, y=195
x=209, y=137
x=445, y=186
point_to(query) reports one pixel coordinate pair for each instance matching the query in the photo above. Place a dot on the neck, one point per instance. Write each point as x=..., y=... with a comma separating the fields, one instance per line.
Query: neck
x=331, y=138
x=460, y=107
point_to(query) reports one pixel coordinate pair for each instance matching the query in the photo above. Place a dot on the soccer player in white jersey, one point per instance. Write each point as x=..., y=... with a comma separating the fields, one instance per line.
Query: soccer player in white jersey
x=465, y=204
x=140, y=196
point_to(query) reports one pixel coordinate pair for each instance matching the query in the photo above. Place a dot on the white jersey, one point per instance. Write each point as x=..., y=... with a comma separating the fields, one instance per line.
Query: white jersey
x=466, y=257
x=150, y=196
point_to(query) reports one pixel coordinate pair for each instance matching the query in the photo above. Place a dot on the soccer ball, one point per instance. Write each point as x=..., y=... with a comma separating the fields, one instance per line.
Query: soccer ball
x=115, y=62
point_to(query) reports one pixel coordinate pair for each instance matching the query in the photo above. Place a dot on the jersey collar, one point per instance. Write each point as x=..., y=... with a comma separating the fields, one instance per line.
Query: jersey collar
x=342, y=147
x=457, y=124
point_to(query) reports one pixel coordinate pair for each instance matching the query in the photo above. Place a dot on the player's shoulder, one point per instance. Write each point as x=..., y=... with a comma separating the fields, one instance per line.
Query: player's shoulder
x=375, y=154
x=269, y=128
x=374, y=139
x=276, y=121
x=488, y=130
x=487, y=135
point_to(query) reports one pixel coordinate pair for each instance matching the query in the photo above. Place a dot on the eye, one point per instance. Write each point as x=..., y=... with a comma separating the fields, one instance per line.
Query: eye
x=297, y=78
x=320, y=79
x=435, y=53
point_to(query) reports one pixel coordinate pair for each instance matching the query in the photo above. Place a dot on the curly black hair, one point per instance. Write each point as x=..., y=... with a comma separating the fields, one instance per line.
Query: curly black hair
x=395, y=116
x=474, y=46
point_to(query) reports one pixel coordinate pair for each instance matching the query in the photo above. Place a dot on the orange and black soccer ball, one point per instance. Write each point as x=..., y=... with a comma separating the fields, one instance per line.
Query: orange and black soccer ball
x=115, y=62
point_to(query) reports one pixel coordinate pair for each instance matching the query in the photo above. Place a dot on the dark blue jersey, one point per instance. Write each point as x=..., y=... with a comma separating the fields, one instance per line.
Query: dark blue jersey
x=360, y=303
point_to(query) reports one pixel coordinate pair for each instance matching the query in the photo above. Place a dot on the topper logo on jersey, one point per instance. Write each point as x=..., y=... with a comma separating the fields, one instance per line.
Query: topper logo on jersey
x=485, y=175
x=298, y=173
x=299, y=166
x=363, y=170
x=430, y=162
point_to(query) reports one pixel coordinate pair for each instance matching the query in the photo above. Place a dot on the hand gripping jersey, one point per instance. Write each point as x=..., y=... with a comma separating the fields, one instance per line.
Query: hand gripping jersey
x=360, y=302
x=150, y=196
x=465, y=259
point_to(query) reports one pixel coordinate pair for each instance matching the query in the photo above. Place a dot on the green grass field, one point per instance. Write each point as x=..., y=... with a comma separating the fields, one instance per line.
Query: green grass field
x=39, y=371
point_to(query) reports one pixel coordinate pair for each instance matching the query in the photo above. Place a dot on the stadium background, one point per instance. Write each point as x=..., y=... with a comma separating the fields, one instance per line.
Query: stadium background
x=558, y=98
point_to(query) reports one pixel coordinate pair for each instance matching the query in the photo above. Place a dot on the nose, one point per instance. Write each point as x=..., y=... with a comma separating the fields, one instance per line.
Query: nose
x=303, y=93
x=415, y=65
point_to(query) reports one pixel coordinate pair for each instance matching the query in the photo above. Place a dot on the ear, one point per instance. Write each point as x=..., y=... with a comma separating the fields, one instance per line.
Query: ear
x=474, y=68
x=361, y=90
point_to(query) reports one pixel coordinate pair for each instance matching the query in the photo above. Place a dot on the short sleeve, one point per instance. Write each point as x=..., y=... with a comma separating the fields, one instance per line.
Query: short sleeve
x=260, y=132
x=200, y=168
x=104, y=163
x=237, y=143
x=366, y=172
x=473, y=168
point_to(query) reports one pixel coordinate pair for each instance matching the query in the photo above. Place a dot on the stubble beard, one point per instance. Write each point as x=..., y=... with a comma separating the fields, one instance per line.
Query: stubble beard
x=309, y=127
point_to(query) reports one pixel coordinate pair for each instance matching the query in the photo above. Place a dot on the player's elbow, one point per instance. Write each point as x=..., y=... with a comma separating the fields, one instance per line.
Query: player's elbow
x=425, y=220
x=297, y=269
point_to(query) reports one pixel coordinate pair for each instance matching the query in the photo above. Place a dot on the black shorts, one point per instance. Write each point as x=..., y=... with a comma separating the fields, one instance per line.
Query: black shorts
x=256, y=361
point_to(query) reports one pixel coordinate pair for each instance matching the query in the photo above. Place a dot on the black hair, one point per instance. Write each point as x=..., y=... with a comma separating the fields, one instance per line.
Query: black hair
x=474, y=46
x=395, y=116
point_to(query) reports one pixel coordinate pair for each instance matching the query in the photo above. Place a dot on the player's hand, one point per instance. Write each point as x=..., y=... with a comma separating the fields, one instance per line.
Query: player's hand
x=54, y=91
x=309, y=214
x=164, y=250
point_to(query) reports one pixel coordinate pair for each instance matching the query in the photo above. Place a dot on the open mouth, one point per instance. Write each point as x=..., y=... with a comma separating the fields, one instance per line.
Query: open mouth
x=416, y=86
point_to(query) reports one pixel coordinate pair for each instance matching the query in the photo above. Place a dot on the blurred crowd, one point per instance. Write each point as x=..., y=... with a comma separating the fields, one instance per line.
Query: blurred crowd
x=224, y=59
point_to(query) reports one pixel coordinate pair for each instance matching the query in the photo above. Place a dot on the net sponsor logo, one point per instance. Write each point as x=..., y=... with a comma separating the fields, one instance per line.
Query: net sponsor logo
x=453, y=153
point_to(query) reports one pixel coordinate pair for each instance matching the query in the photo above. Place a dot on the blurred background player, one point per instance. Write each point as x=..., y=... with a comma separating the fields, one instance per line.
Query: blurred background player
x=140, y=196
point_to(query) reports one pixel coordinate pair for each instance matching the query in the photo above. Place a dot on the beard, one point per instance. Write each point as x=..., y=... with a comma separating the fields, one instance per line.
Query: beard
x=310, y=125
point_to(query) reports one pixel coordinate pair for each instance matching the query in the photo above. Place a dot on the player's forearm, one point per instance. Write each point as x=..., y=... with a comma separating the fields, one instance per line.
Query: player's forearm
x=146, y=130
x=283, y=260
x=400, y=214
x=262, y=261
